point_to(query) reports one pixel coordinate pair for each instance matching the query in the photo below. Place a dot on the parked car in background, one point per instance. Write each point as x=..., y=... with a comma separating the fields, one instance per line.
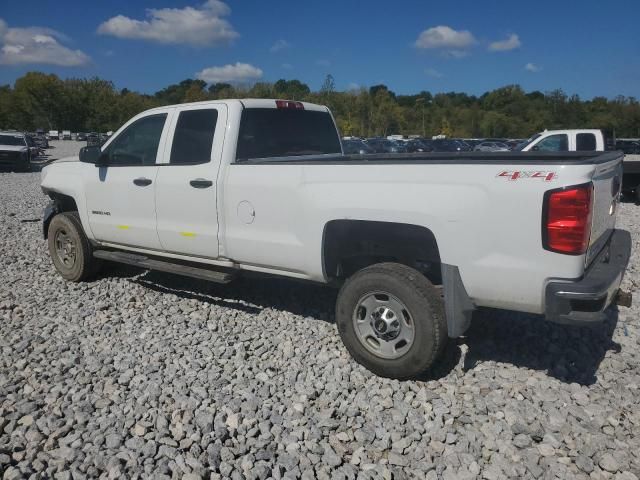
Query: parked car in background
x=81, y=137
x=515, y=143
x=54, y=135
x=417, y=146
x=93, y=139
x=66, y=135
x=491, y=147
x=382, y=145
x=472, y=142
x=15, y=151
x=34, y=149
x=449, y=145
x=356, y=147
x=41, y=140
x=628, y=147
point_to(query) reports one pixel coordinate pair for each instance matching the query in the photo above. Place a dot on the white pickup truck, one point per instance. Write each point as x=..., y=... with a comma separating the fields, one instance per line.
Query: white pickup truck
x=415, y=242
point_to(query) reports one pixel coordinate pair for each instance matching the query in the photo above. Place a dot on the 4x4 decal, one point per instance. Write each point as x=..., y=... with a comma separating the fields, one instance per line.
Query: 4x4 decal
x=546, y=176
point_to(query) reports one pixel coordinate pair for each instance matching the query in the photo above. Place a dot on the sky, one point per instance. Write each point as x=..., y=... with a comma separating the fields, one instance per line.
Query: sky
x=588, y=47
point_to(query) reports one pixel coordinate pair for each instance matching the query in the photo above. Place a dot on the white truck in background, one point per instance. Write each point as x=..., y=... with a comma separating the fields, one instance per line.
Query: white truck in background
x=575, y=140
x=53, y=135
x=415, y=242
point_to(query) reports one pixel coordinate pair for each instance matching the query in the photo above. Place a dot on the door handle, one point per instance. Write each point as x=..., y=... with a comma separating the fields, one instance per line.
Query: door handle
x=142, y=182
x=200, y=183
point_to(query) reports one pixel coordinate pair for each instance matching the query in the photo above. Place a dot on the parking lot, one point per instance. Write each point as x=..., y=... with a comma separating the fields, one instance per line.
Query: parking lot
x=142, y=374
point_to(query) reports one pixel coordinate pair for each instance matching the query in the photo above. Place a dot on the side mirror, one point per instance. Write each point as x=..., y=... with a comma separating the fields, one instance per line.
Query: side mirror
x=90, y=154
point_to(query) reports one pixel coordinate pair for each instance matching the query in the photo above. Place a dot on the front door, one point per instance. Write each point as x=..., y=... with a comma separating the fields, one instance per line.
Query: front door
x=121, y=195
x=186, y=190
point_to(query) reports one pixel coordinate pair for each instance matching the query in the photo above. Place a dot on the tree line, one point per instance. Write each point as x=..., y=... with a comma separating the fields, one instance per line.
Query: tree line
x=39, y=100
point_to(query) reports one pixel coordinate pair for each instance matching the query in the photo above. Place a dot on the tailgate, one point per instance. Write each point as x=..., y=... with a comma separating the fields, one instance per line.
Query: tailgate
x=607, y=181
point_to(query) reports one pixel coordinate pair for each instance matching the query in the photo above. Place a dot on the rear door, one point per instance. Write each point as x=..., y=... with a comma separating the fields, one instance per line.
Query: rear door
x=187, y=218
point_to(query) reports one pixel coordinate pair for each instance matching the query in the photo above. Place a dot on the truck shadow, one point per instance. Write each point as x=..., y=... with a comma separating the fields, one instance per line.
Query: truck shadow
x=569, y=354
x=251, y=295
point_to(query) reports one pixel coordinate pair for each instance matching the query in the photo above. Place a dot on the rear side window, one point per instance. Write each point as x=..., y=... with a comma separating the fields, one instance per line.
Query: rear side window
x=193, y=138
x=553, y=143
x=586, y=142
x=271, y=132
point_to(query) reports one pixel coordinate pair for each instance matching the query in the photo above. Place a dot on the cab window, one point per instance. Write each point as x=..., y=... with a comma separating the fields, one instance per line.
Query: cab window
x=193, y=139
x=553, y=143
x=138, y=144
x=585, y=142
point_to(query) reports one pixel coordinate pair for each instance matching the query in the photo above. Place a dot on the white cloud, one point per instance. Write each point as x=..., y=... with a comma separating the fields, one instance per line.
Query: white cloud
x=532, y=67
x=196, y=26
x=445, y=38
x=37, y=45
x=238, y=73
x=353, y=86
x=511, y=43
x=432, y=72
x=279, y=45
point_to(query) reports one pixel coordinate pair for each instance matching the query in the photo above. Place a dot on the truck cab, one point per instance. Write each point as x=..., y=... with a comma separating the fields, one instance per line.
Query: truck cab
x=584, y=140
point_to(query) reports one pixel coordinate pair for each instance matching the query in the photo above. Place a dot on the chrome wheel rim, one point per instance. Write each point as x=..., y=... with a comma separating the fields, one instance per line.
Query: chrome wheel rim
x=384, y=325
x=65, y=248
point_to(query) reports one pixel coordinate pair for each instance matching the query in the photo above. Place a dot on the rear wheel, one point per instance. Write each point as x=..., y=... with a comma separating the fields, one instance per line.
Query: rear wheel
x=391, y=319
x=70, y=249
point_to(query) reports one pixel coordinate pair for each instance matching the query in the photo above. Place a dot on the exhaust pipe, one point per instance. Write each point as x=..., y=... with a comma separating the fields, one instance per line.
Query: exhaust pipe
x=623, y=298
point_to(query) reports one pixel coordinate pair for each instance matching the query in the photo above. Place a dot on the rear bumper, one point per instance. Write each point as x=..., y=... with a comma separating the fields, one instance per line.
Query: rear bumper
x=584, y=301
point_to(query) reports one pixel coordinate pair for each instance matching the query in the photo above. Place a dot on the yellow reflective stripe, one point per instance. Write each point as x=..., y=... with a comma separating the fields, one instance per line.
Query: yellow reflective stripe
x=123, y=227
x=187, y=234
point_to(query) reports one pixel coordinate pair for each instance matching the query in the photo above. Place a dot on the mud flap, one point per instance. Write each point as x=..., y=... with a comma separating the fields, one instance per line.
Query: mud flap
x=457, y=304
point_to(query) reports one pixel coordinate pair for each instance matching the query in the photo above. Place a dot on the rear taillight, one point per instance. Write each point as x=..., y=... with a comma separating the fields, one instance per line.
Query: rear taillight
x=567, y=219
x=289, y=104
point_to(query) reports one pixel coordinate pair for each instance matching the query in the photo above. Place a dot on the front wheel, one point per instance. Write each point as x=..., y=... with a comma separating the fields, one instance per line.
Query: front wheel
x=391, y=319
x=70, y=249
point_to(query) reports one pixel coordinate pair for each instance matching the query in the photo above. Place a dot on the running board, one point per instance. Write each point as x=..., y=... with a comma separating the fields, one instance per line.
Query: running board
x=142, y=261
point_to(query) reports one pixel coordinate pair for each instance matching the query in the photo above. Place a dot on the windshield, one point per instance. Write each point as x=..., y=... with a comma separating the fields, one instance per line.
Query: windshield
x=524, y=144
x=11, y=140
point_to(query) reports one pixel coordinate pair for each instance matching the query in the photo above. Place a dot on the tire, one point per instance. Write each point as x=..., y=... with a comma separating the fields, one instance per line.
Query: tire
x=66, y=235
x=363, y=299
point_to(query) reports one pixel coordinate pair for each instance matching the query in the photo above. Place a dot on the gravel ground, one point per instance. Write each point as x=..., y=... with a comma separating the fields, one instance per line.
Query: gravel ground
x=146, y=375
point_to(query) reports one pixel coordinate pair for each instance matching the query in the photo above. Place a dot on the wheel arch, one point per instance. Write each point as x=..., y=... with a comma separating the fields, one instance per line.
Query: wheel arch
x=349, y=245
x=59, y=203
